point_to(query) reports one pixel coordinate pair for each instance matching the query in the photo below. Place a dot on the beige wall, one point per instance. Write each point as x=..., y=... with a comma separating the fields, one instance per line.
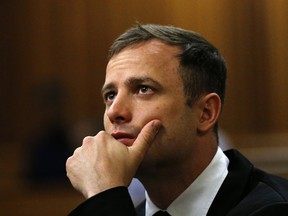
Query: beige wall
x=68, y=40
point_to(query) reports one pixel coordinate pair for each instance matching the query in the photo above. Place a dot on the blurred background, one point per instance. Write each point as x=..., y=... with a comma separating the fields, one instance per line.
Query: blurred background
x=52, y=67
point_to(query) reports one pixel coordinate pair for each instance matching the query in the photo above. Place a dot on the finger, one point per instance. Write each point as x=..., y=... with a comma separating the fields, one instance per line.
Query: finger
x=145, y=138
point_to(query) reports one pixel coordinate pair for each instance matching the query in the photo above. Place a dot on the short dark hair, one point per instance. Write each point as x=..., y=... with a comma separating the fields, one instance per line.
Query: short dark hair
x=202, y=67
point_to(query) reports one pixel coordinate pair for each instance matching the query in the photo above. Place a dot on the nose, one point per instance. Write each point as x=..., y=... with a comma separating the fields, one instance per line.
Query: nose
x=119, y=111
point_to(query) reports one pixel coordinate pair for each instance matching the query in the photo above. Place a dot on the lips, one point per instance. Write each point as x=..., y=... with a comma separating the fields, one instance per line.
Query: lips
x=126, y=139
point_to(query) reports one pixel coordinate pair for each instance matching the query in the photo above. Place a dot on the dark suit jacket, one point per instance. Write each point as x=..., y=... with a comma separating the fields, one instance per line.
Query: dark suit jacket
x=246, y=191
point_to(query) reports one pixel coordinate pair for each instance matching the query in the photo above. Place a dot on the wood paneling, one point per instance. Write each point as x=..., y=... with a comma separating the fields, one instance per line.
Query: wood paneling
x=68, y=41
x=64, y=44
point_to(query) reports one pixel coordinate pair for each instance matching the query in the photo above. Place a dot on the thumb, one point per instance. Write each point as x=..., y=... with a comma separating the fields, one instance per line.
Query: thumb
x=144, y=139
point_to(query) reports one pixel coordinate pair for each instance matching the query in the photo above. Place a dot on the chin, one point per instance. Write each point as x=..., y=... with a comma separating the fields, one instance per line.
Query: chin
x=147, y=167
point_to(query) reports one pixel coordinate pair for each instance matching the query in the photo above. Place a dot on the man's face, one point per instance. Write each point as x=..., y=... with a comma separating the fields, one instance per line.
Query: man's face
x=143, y=83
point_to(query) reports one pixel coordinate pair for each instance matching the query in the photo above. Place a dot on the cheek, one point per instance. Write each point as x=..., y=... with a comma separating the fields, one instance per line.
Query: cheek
x=106, y=122
x=151, y=114
x=168, y=112
x=162, y=112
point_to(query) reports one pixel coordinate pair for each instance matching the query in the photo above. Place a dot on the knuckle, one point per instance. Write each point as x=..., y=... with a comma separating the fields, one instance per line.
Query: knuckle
x=68, y=162
x=87, y=140
x=101, y=136
x=69, y=165
x=76, y=152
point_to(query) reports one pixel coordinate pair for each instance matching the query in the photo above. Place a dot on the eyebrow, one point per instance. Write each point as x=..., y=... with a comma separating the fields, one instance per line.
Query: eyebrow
x=106, y=87
x=132, y=81
x=140, y=80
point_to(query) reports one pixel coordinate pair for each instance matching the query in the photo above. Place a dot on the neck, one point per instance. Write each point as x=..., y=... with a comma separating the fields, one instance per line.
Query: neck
x=165, y=184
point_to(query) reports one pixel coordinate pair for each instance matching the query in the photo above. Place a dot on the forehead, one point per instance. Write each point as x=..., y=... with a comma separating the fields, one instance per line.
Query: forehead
x=150, y=58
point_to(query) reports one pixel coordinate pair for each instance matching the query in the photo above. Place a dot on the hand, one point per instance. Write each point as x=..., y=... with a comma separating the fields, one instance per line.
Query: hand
x=102, y=162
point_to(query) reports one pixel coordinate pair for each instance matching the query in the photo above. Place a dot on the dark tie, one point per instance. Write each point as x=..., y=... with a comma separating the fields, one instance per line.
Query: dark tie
x=161, y=213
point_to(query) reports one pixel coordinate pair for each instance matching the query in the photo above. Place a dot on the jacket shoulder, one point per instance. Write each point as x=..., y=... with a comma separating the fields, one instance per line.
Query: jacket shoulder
x=264, y=193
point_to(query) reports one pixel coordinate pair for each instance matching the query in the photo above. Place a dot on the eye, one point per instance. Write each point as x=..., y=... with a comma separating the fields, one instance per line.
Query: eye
x=143, y=89
x=109, y=96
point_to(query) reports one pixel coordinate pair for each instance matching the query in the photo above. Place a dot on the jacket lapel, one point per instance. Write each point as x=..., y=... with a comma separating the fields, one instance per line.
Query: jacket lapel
x=233, y=189
x=234, y=186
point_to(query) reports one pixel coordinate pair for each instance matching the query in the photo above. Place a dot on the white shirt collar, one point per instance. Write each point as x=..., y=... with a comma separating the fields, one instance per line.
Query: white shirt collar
x=198, y=197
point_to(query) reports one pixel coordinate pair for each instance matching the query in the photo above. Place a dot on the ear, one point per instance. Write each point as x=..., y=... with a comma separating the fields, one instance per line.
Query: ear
x=210, y=109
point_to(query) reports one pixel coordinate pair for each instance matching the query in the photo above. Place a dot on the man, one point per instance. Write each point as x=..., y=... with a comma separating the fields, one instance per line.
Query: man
x=164, y=91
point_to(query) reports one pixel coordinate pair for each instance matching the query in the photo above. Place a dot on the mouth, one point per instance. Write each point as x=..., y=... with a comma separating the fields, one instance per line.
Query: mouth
x=126, y=139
